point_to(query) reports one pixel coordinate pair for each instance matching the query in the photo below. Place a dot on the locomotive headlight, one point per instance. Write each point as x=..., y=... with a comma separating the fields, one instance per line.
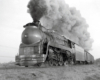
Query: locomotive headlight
x=25, y=36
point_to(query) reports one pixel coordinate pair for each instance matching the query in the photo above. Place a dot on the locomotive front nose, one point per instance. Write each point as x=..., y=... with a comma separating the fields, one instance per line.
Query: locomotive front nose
x=31, y=35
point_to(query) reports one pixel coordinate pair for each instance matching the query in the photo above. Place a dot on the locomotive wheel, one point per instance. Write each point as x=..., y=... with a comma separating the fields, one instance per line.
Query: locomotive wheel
x=60, y=60
x=26, y=65
x=66, y=63
x=60, y=63
x=55, y=63
x=72, y=62
x=52, y=62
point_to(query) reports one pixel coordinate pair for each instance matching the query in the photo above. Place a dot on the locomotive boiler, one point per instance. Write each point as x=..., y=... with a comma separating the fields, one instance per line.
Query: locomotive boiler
x=41, y=46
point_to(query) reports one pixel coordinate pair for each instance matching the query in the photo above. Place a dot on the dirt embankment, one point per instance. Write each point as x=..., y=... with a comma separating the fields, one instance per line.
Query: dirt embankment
x=77, y=72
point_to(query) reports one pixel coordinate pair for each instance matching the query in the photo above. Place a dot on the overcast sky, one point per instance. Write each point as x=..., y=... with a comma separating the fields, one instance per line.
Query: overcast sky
x=13, y=15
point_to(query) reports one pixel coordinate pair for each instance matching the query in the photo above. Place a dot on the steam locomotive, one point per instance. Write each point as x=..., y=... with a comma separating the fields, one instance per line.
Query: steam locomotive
x=42, y=46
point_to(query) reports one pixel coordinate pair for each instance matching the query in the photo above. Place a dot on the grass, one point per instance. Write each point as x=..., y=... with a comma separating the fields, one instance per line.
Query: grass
x=8, y=65
x=93, y=77
x=77, y=72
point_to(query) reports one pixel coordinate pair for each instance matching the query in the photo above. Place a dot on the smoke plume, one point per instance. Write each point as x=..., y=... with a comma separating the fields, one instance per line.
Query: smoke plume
x=57, y=15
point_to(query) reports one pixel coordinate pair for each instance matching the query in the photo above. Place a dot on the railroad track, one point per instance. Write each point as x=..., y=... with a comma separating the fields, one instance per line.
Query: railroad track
x=38, y=67
x=30, y=67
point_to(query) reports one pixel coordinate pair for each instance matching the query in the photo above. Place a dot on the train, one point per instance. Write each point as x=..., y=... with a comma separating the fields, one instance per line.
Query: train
x=45, y=46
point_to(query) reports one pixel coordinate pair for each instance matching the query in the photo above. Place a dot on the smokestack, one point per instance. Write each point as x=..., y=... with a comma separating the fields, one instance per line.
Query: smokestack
x=57, y=15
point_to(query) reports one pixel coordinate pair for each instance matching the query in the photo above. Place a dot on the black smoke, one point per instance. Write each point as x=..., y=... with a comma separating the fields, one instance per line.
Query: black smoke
x=57, y=15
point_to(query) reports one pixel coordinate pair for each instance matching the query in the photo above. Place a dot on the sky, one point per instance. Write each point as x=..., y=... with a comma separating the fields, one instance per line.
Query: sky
x=13, y=15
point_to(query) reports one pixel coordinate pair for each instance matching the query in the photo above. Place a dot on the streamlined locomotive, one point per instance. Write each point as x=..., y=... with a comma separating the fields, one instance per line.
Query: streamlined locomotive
x=41, y=46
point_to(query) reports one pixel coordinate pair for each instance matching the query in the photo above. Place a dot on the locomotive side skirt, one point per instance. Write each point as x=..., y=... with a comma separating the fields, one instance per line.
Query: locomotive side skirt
x=60, y=46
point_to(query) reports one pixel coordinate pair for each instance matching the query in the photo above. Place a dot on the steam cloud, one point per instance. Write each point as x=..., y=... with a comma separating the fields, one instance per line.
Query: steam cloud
x=56, y=15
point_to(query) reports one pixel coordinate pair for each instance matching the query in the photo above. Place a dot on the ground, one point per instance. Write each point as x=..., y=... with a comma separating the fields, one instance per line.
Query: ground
x=70, y=72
